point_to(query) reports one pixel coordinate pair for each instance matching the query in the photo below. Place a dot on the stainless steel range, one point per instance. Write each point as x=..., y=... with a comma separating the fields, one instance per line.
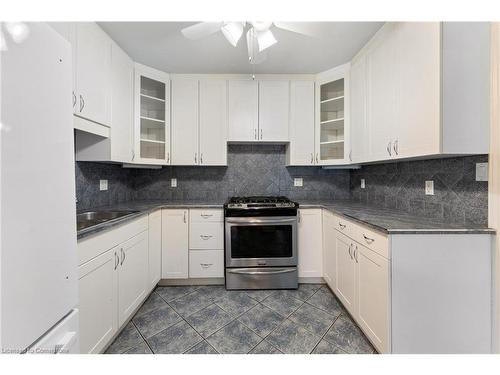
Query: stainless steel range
x=261, y=243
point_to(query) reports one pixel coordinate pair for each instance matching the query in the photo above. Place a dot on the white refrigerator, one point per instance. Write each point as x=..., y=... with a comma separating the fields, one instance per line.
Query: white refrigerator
x=38, y=259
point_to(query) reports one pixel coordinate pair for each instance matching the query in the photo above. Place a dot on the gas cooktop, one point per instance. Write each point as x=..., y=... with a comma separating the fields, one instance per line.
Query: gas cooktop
x=260, y=201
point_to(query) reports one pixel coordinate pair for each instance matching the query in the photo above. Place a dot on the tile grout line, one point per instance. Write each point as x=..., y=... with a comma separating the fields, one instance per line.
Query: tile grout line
x=140, y=333
x=324, y=334
x=199, y=334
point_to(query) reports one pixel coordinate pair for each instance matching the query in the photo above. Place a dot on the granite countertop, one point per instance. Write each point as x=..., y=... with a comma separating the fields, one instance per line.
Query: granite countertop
x=384, y=220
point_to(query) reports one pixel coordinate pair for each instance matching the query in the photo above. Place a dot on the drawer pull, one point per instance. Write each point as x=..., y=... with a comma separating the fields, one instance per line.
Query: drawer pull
x=356, y=254
x=205, y=237
x=205, y=216
x=342, y=226
x=350, y=251
x=368, y=239
x=206, y=265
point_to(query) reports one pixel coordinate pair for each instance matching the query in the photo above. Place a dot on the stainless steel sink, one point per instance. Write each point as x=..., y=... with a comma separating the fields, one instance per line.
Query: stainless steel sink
x=91, y=218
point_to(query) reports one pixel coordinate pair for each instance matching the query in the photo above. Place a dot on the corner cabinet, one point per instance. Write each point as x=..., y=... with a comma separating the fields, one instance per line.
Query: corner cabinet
x=152, y=116
x=332, y=117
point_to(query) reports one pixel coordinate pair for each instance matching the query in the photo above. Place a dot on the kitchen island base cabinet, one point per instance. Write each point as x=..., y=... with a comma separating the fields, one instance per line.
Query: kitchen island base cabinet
x=175, y=243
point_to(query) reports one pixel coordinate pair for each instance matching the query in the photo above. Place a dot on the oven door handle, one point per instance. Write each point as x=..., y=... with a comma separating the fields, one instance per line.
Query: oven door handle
x=262, y=272
x=257, y=220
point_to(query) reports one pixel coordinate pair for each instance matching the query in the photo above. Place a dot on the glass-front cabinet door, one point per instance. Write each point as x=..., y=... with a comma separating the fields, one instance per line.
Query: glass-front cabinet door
x=332, y=128
x=152, y=116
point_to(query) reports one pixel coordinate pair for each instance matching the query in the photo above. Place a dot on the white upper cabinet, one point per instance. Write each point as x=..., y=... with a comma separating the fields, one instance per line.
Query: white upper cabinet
x=301, y=148
x=213, y=122
x=152, y=116
x=381, y=95
x=418, y=89
x=358, y=110
x=274, y=109
x=185, y=112
x=243, y=107
x=93, y=61
x=332, y=117
x=122, y=108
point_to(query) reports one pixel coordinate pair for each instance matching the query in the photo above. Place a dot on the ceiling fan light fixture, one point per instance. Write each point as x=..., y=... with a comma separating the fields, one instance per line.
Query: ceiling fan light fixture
x=265, y=39
x=233, y=32
x=261, y=25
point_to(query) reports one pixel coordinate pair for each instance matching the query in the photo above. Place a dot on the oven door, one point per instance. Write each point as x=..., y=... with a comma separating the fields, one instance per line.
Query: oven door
x=261, y=241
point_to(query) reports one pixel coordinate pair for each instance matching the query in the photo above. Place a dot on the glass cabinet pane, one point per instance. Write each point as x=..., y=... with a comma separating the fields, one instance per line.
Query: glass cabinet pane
x=152, y=118
x=332, y=120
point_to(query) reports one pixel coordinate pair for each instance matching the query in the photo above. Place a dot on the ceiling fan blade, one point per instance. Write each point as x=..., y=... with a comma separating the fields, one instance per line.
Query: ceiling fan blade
x=265, y=39
x=202, y=29
x=305, y=28
x=254, y=55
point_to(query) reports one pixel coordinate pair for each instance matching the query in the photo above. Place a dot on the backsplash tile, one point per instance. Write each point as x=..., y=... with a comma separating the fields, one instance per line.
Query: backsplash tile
x=458, y=197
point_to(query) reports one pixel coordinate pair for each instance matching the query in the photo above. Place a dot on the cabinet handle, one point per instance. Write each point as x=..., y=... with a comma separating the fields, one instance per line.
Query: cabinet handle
x=196, y=158
x=168, y=157
x=206, y=265
x=255, y=134
x=350, y=250
x=368, y=239
x=201, y=158
x=350, y=155
x=82, y=103
x=356, y=254
x=317, y=159
x=298, y=216
x=205, y=237
x=74, y=99
x=133, y=154
x=123, y=256
x=312, y=158
x=342, y=226
x=206, y=216
x=261, y=133
x=184, y=216
x=395, y=146
x=389, y=149
x=117, y=260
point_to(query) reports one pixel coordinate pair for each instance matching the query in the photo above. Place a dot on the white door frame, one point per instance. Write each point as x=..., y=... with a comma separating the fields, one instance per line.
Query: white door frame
x=494, y=176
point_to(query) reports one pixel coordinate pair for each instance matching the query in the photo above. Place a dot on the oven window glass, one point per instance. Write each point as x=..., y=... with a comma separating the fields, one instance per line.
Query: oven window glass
x=263, y=241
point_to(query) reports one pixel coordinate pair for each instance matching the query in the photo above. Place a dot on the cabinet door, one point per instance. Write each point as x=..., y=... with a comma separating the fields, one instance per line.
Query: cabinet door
x=132, y=275
x=358, y=110
x=154, y=249
x=274, y=110
x=122, y=115
x=381, y=95
x=418, y=92
x=310, y=243
x=184, y=122
x=372, y=307
x=329, y=266
x=213, y=122
x=243, y=110
x=98, y=297
x=345, y=272
x=302, y=140
x=93, y=60
x=174, y=244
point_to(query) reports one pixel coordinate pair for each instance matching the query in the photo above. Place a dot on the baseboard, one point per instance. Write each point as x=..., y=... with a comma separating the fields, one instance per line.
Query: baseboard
x=182, y=282
x=311, y=280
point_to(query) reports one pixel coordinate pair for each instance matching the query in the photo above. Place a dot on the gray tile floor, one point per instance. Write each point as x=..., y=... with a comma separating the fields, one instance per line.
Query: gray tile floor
x=211, y=320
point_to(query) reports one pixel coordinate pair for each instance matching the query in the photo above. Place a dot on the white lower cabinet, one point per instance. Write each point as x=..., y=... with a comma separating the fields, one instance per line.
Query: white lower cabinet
x=345, y=272
x=175, y=243
x=310, y=243
x=372, y=307
x=329, y=261
x=98, y=289
x=132, y=275
x=154, y=251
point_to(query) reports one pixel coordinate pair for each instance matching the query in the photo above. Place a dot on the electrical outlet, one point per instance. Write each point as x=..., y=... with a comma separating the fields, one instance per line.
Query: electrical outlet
x=363, y=185
x=429, y=187
x=173, y=182
x=481, y=171
x=298, y=181
x=103, y=185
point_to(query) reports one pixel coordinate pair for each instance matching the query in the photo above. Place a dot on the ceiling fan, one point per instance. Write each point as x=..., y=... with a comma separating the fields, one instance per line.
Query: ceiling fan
x=259, y=35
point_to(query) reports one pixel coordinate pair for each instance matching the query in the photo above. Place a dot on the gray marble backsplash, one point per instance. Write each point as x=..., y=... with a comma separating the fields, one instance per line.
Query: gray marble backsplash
x=260, y=170
x=458, y=197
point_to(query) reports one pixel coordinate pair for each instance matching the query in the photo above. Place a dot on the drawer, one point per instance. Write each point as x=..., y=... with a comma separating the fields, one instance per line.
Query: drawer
x=206, y=263
x=344, y=226
x=208, y=215
x=372, y=240
x=206, y=236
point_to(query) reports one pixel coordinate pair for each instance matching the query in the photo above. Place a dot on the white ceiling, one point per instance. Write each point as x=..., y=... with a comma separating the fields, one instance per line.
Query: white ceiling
x=162, y=46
